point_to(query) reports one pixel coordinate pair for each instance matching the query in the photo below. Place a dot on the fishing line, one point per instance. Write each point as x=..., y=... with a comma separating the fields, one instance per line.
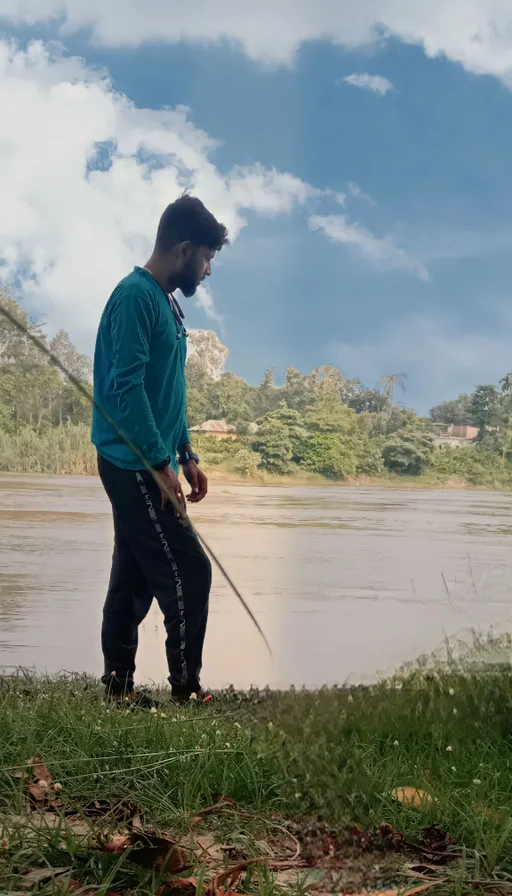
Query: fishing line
x=178, y=508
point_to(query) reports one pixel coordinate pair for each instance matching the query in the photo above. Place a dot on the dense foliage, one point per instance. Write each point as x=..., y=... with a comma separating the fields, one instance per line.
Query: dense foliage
x=319, y=423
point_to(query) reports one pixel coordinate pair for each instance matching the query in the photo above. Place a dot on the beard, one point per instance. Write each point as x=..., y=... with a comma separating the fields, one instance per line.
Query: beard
x=187, y=283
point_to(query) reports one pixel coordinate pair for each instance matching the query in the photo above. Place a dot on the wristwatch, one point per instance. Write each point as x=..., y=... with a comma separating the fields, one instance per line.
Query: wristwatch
x=186, y=456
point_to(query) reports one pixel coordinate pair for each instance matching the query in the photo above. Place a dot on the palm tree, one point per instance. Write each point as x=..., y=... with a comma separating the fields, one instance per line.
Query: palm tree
x=388, y=385
x=506, y=384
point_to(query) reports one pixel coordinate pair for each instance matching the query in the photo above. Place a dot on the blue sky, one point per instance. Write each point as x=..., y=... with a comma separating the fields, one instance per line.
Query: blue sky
x=393, y=253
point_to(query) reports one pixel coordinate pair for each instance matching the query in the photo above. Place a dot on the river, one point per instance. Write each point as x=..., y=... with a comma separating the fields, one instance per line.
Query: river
x=347, y=583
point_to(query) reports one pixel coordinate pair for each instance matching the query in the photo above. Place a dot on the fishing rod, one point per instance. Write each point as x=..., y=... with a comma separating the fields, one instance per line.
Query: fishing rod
x=160, y=481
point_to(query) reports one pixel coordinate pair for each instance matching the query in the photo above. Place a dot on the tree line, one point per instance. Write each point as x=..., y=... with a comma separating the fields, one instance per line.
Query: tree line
x=320, y=422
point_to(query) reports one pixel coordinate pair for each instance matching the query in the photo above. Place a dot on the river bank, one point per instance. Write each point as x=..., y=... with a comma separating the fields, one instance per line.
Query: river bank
x=223, y=476
x=284, y=790
x=67, y=451
x=218, y=475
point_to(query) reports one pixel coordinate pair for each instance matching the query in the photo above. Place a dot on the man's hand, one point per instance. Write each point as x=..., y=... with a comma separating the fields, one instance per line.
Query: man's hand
x=168, y=481
x=197, y=481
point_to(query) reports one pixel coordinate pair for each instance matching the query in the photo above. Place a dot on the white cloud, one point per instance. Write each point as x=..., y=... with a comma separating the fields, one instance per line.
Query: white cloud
x=375, y=83
x=378, y=251
x=68, y=230
x=358, y=193
x=440, y=361
x=204, y=300
x=476, y=33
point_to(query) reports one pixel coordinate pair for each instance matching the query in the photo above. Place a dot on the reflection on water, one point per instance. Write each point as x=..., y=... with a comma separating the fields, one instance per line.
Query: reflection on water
x=345, y=582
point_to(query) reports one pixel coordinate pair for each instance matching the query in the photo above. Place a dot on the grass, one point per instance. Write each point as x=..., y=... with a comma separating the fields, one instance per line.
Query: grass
x=64, y=450
x=323, y=761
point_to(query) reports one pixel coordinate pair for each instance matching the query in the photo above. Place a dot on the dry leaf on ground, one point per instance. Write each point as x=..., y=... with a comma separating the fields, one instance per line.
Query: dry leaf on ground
x=41, y=788
x=435, y=839
x=412, y=797
x=149, y=850
x=40, y=875
x=416, y=890
x=41, y=772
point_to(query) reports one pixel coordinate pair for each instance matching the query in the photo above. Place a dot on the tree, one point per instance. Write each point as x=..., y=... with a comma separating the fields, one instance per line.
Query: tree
x=246, y=462
x=456, y=411
x=267, y=396
x=16, y=347
x=369, y=401
x=77, y=364
x=230, y=398
x=389, y=384
x=293, y=422
x=297, y=391
x=506, y=384
x=206, y=347
x=409, y=451
x=485, y=408
x=33, y=393
x=272, y=441
x=330, y=446
x=198, y=382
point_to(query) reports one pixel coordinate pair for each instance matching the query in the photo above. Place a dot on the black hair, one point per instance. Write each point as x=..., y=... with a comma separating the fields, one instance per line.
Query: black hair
x=188, y=220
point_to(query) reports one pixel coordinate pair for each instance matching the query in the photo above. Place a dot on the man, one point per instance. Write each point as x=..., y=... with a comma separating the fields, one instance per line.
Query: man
x=139, y=381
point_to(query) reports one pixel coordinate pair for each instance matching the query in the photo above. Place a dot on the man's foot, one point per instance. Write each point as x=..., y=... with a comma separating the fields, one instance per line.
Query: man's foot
x=133, y=700
x=199, y=696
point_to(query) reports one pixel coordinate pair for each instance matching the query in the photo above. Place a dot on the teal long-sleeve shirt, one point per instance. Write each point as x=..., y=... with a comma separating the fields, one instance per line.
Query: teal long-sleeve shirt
x=139, y=375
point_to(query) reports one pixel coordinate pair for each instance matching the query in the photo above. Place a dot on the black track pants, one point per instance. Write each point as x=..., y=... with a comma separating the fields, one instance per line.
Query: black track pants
x=155, y=555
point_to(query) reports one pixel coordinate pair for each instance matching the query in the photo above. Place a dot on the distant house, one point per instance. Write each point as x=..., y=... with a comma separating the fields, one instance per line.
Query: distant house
x=455, y=436
x=216, y=429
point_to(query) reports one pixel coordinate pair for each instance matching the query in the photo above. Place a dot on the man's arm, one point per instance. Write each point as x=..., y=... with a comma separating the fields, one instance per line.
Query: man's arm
x=133, y=319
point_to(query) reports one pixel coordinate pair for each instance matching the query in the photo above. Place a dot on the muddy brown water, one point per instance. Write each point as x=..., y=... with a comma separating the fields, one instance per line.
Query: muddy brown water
x=347, y=583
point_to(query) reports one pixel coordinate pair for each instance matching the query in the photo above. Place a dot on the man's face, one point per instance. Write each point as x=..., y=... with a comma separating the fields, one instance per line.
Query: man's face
x=195, y=266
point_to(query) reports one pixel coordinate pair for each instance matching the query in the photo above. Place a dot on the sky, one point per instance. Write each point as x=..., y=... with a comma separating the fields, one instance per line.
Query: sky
x=360, y=158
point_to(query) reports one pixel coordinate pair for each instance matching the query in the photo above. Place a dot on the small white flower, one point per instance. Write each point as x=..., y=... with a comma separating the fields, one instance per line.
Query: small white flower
x=153, y=710
x=449, y=749
x=455, y=711
x=163, y=715
x=398, y=685
x=193, y=696
x=57, y=788
x=396, y=744
x=451, y=692
x=453, y=768
x=476, y=781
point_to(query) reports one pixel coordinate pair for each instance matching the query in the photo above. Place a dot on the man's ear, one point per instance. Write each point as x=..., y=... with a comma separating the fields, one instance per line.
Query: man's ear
x=185, y=251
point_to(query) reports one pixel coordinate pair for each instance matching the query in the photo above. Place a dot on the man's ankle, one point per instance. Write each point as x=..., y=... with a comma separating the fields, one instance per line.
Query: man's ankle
x=117, y=687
